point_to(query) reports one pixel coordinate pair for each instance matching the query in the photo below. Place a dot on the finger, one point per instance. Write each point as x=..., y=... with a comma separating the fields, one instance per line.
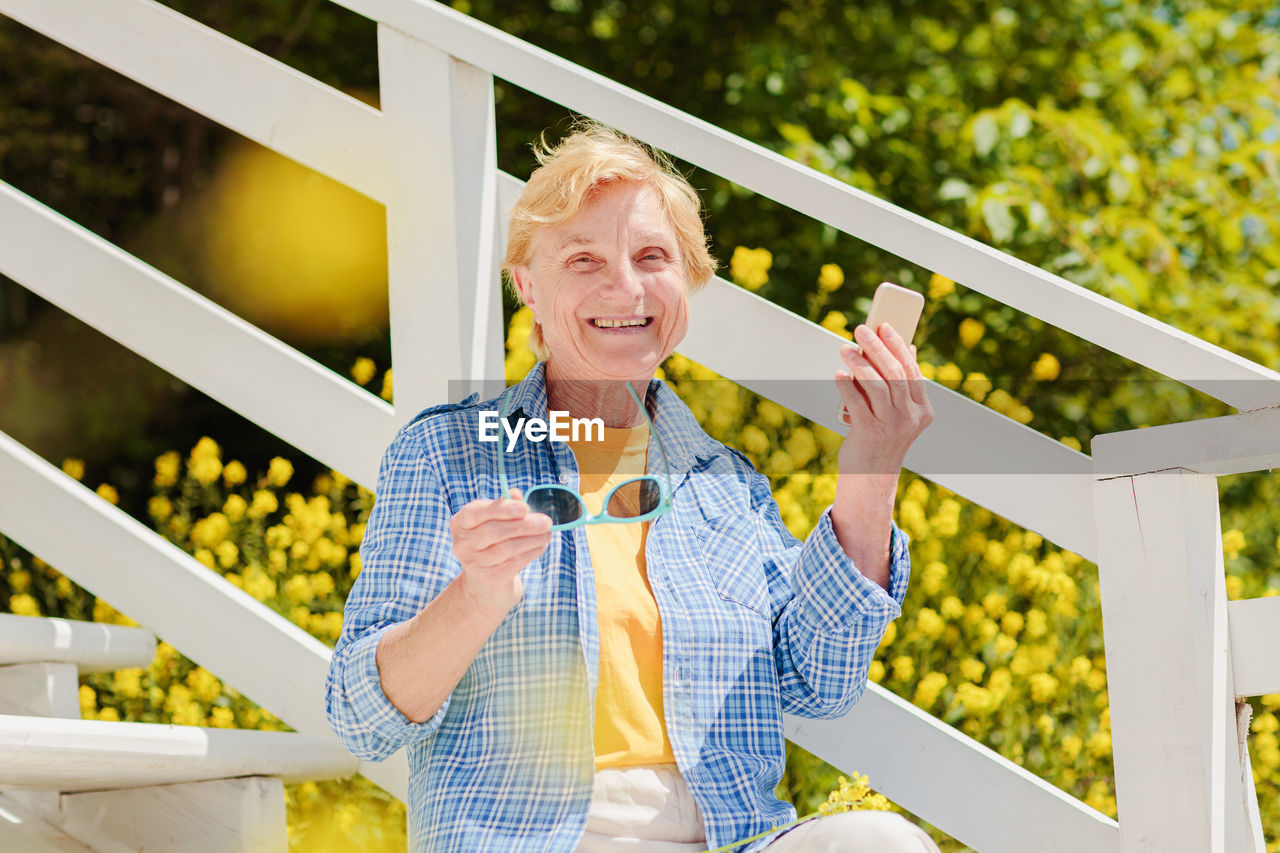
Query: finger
x=916, y=381
x=884, y=350
x=872, y=384
x=478, y=539
x=479, y=512
x=854, y=399
x=518, y=549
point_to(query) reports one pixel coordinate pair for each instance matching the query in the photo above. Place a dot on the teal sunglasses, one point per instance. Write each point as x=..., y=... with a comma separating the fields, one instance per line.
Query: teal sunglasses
x=638, y=499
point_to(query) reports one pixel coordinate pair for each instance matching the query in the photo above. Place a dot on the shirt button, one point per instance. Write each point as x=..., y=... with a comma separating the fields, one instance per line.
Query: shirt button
x=564, y=478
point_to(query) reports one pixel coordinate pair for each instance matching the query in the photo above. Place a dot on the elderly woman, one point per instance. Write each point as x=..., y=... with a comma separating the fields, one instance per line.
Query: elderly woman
x=588, y=644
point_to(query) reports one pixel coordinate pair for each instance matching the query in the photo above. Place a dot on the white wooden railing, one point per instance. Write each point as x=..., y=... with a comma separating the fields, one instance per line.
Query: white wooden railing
x=428, y=154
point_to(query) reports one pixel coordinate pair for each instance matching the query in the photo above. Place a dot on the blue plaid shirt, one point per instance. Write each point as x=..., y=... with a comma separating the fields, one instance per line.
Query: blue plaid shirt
x=754, y=623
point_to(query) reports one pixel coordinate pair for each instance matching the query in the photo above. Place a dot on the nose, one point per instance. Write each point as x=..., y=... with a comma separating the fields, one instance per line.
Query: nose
x=623, y=284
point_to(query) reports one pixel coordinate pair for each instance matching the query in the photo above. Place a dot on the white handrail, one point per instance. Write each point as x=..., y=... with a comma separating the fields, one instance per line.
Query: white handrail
x=241, y=88
x=1052, y=298
x=91, y=646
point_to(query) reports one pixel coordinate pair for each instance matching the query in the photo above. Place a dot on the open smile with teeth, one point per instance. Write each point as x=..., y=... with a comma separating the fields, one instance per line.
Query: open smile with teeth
x=621, y=324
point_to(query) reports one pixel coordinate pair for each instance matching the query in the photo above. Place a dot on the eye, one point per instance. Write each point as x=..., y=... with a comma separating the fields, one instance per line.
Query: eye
x=652, y=257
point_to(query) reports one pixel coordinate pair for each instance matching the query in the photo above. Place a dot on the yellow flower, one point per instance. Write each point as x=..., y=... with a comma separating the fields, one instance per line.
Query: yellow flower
x=1233, y=543
x=73, y=468
x=1005, y=645
x=356, y=566
x=19, y=580
x=971, y=331
x=298, y=589
x=205, y=557
x=972, y=669
x=168, y=466
x=386, y=385
x=205, y=469
x=159, y=508
x=977, y=386
x=279, y=471
x=1071, y=745
x=1099, y=744
x=1045, y=368
x=204, y=684
x=1071, y=441
x=835, y=322
x=108, y=493
x=976, y=700
x=264, y=503
x=23, y=605
x=128, y=682
x=933, y=577
x=952, y=608
x=211, y=530
x=830, y=278
x=88, y=701
x=1045, y=724
x=750, y=267
x=875, y=672
x=206, y=447
x=228, y=554
x=235, y=507
x=363, y=370
x=257, y=584
x=950, y=375
x=1012, y=623
x=929, y=623
x=941, y=287
x=222, y=718
x=1043, y=687
x=928, y=690
x=233, y=473
x=904, y=668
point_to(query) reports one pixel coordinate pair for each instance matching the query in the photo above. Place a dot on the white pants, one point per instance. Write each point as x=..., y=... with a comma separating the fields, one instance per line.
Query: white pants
x=649, y=809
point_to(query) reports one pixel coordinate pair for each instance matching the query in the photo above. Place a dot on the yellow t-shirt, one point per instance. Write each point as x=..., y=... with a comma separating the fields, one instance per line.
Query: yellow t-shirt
x=630, y=727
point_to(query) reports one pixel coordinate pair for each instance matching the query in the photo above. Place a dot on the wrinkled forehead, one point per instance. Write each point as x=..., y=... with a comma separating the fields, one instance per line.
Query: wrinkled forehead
x=614, y=214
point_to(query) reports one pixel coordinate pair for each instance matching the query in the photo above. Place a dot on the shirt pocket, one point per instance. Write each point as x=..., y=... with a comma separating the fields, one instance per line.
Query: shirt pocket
x=731, y=555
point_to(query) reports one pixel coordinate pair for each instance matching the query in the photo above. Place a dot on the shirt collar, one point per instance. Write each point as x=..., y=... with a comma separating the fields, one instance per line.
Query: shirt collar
x=682, y=437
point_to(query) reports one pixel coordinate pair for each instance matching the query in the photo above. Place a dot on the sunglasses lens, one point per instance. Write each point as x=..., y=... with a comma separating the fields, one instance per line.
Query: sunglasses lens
x=635, y=498
x=560, y=505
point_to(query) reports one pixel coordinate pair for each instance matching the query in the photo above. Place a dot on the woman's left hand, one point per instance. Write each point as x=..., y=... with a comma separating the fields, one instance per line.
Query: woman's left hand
x=884, y=393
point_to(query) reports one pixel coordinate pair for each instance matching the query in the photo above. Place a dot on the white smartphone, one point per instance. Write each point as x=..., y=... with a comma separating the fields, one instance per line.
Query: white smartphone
x=898, y=306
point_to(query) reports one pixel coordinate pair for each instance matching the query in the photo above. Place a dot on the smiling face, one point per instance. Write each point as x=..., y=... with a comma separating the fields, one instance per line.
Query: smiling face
x=608, y=287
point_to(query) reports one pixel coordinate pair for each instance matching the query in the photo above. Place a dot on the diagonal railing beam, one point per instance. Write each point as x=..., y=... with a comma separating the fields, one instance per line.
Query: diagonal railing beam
x=1163, y=348
x=325, y=415
x=1002, y=805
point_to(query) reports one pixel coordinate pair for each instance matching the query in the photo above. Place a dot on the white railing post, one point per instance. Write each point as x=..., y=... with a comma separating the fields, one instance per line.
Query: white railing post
x=1164, y=615
x=441, y=213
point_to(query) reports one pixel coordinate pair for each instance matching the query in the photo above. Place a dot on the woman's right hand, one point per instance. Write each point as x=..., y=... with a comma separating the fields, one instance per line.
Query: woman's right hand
x=494, y=540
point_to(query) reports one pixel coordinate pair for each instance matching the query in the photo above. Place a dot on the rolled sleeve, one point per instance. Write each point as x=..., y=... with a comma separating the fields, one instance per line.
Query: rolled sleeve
x=832, y=591
x=360, y=712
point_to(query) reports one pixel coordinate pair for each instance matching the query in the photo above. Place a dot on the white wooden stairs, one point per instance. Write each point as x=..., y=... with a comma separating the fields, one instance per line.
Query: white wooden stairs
x=69, y=784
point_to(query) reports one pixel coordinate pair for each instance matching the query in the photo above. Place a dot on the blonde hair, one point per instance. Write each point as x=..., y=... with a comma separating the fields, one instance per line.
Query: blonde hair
x=593, y=156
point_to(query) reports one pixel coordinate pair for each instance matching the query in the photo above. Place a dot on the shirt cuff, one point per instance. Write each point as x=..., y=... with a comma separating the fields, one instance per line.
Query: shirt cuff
x=363, y=685
x=835, y=593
